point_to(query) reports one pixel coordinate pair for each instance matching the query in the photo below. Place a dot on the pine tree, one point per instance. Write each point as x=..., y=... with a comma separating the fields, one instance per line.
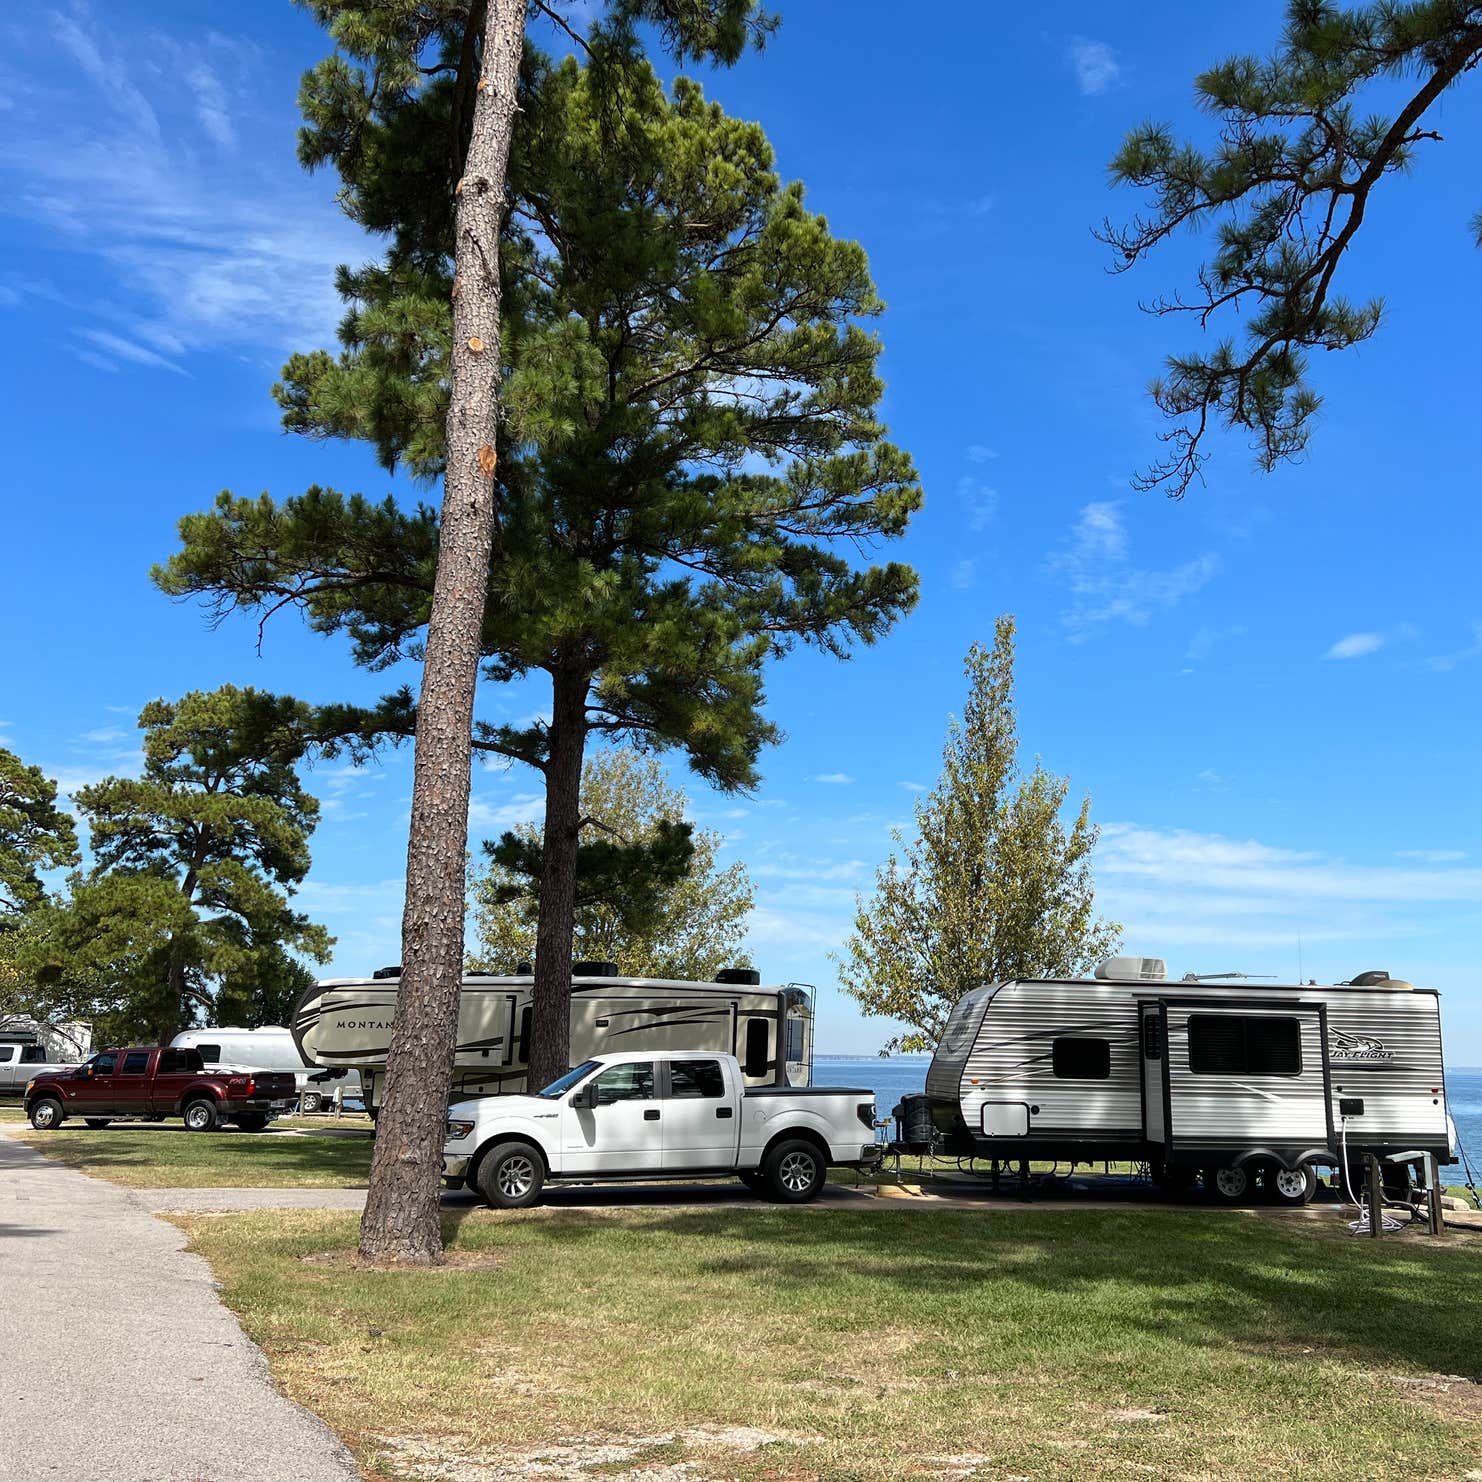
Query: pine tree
x=689, y=457
x=993, y=885
x=1287, y=189
x=185, y=914
x=678, y=916
x=35, y=835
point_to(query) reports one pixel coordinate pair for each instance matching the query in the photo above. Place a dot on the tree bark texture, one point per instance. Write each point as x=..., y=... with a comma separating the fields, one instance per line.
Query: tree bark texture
x=550, y=1022
x=401, y=1211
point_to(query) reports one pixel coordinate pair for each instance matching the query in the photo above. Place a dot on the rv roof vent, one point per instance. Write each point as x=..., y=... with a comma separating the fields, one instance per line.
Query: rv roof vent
x=745, y=975
x=524, y=969
x=1378, y=978
x=1132, y=969
x=594, y=970
x=387, y=972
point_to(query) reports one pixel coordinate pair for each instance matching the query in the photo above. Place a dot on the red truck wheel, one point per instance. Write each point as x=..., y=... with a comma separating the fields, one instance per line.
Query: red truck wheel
x=46, y=1113
x=201, y=1116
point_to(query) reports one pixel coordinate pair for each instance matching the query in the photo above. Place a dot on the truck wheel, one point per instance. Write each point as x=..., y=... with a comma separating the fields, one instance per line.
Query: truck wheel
x=794, y=1172
x=201, y=1116
x=46, y=1113
x=310, y=1102
x=511, y=1177
x=1292, y=1187
x=97, y=1121
x=251, y=1121
x=1228, y=1185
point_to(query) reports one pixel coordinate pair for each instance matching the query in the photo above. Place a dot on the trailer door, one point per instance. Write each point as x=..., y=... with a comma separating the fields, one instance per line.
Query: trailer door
x=1245, y=1074
x=1153, y=1127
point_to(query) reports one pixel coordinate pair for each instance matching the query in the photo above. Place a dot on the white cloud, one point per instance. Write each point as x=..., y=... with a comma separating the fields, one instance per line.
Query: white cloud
x=834, y=779
x=1096, y=65
x=1441, y=663
x=104, y=734
x=964, y=573
x=1204, y=641
x=1095, y=567
x=525, y=807
x=980, y=501
x=914, y=786
x=122, y=349
x=790, y=868
x=977, y=453
x=1432, y=856
x=1355, y=646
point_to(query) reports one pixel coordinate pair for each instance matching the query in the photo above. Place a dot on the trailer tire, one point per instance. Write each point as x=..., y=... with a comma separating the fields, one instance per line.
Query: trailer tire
x=795, y=1171
x=201, y=1115
x=46, y=1113
x=310, y=1102
x=1228, y=1185
x=511, y=1176
x=1291, y=1187
x=97, y=1122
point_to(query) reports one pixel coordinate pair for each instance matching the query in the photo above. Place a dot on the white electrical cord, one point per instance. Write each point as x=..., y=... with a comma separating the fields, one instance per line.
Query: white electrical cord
x=1362, y=1225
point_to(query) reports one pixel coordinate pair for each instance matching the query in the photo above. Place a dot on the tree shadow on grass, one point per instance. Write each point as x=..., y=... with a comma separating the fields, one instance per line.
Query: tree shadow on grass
x=1216, y=1280
x=175, y=1153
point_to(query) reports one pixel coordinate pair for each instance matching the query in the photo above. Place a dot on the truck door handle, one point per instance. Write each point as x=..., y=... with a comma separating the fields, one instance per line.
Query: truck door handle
x=723, y=1111
x=651, y=1116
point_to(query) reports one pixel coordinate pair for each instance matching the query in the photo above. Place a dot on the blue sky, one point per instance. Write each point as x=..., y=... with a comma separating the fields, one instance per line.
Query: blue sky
x=1270, y=689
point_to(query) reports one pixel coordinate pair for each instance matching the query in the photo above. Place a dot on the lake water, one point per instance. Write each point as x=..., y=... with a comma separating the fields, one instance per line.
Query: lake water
x=895, y=1076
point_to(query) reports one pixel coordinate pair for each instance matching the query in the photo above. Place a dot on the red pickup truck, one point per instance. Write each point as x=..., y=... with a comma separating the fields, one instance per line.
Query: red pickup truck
x=153, y=1083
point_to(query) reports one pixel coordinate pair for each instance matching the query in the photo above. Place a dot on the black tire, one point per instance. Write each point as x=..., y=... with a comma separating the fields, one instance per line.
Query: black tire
x=1229, y=1185
x=46, y=1114
x=201, y=1115
x=794, y=1171
x=310, y=1102
x=98, y=1121
x=251, y=1121
x=512, y=1176
x=1291, y=1188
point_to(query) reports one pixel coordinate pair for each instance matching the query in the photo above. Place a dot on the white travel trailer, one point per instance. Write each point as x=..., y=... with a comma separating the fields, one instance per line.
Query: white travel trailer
x=270, y=1048
x=1234, y=1081
x=346, y=1023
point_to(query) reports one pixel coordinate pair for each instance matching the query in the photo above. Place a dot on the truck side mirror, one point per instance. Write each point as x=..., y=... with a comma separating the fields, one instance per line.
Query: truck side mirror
x=586, y=1098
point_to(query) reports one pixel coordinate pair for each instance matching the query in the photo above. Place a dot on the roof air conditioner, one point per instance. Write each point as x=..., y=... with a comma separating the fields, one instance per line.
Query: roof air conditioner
x=1132, y=969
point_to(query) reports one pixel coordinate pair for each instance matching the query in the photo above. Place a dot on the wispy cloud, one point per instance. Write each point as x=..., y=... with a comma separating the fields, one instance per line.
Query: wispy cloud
x=964, y=573
x=1097, y=67
x=1356, y=646
x=1432, y=856
x=834, y=779
x=1441, y=663
x=980, y=502
x=525, y=807
x=1095, y=566
x=123, y=349
x=977, y=453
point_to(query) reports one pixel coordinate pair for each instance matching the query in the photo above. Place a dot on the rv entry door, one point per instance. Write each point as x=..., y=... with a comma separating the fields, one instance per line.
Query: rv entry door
x=1153, y=1127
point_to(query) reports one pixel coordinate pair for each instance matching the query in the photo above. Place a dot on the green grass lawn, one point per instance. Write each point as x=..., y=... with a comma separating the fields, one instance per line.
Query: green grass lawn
x=169, y=1157
x=854, y=1344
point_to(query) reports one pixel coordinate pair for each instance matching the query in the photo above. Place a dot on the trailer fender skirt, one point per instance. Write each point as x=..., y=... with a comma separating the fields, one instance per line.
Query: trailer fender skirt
x=1285, y=1160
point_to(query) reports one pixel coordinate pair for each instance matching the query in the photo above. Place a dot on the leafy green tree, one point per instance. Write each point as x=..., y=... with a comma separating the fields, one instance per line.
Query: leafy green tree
x=35, y=835
x=185, y=913
x=993, y=885
x=656, y=910
x=690, y=456
x=1286, y=190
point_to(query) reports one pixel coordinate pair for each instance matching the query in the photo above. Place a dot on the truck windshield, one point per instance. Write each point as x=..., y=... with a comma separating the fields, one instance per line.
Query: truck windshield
x=564, y=1083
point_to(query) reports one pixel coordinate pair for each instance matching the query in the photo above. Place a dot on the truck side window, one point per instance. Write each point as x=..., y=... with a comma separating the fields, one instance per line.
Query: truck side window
x=758, y=1041
x=7, y=1054
x=633, y=1082
x=104, y=1064
x=696, y=1078
x=136, y=1062
x=33, y=1055
x=210, y=1054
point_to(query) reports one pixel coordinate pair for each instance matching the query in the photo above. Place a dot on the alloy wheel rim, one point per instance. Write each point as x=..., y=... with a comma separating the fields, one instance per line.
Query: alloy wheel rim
x=515, y=1177
x=796, y=1172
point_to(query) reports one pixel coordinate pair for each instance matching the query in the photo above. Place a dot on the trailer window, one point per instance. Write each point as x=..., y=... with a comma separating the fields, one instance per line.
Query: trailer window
x=795, y=1040
x=522, y=1039
x=136, y=1062
x=1244, y=1044
x=1077, y=1059
x=696, y=1078
x=758, y=1042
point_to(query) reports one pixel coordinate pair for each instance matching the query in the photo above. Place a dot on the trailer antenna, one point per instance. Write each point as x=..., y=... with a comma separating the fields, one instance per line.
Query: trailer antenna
x=1215, y=977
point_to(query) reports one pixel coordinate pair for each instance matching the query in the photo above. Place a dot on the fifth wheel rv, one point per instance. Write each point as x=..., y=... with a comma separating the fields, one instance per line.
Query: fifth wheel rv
x=345, y=1023
x=1232, y=1081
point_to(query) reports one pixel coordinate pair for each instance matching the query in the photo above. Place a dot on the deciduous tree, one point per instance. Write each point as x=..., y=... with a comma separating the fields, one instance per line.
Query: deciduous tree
x=1297, y=168
x=35, y=835
x=992, y=885
x=666, y=913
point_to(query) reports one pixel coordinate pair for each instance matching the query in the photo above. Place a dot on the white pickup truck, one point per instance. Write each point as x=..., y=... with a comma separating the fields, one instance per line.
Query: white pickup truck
x=642, y=1116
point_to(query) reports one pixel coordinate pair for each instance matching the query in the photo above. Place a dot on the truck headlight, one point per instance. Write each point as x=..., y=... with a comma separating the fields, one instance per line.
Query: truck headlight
x=457, y=1131
x=31, y=1083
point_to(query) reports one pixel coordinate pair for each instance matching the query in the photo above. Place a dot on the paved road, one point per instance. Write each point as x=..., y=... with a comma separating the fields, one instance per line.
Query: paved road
x=118, y=1359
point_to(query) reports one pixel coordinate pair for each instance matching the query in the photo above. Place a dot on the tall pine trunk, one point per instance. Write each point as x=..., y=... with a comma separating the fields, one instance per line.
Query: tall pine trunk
x=401, y=1209
x=550, y=1023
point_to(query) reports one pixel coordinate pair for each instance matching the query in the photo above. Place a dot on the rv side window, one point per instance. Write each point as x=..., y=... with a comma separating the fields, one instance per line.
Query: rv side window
x=795, y=1040
x=1077, y=1059
x=210, y=1054
x=758, y=1041
x=1244, y=1044
x=522, y=1039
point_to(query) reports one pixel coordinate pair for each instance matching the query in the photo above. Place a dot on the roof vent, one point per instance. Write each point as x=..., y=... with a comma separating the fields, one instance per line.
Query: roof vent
x=387, y=972
x=748, y=976
x=1132, y=970
x=594, y=970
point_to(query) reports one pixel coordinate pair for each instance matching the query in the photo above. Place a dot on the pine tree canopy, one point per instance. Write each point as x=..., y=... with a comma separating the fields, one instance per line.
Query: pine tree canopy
x=992, y=886
x=690, y=452
x=1286, y=190
x=35, y=835
x=185, y=910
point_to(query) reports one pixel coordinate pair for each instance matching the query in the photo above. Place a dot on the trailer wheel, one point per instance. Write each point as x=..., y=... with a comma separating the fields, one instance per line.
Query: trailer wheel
x=511, y=1176
x=201, y=1115
x=794, y=1171
x=1291, y=1187
x=46, y=1113
x=97, y=1121
x=1229, y=1185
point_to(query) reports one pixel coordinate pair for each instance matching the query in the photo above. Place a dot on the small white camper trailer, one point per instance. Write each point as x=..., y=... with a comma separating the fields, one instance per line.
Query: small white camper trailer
x=269, y=1048
x=1233, y=1080
x=345, y=1023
